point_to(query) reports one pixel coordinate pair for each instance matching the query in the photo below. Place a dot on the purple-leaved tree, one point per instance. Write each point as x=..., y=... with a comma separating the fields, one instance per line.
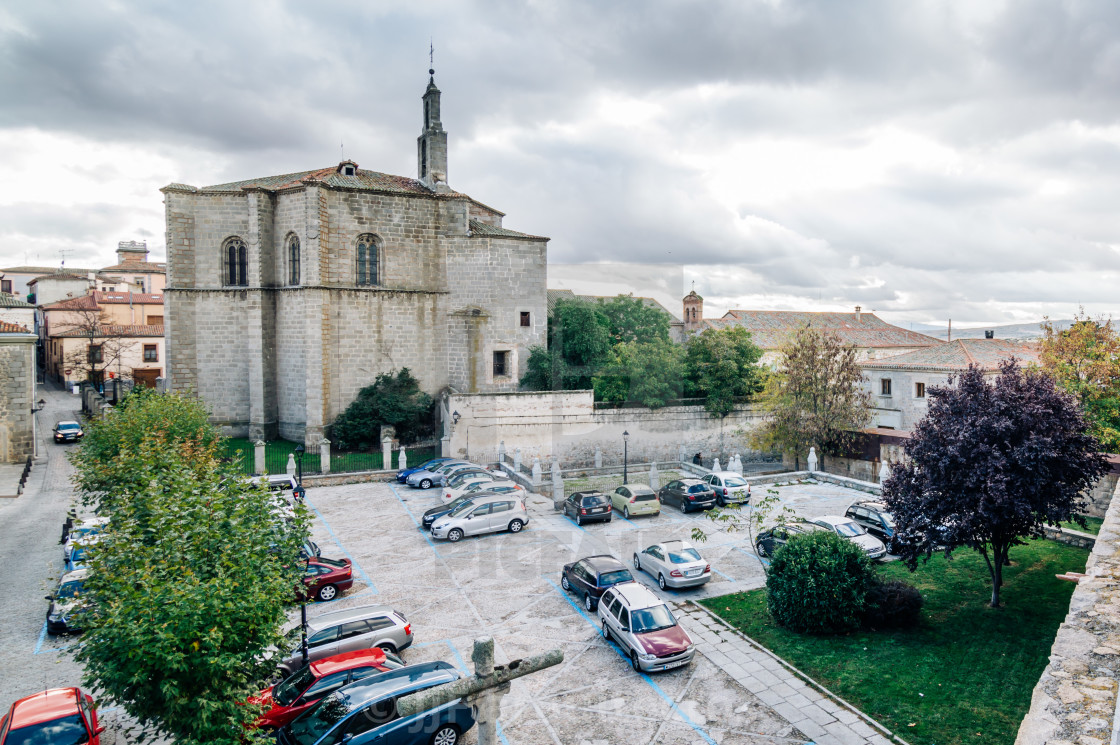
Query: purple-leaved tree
x=991, y=463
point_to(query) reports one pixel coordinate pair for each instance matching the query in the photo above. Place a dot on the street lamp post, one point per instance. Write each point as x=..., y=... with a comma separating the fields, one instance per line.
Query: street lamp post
x=299, y=465
x=625, y=456
x=306, y=563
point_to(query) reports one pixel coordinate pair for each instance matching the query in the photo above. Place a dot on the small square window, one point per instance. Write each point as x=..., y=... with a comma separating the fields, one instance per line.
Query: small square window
x=885, y=387
x=501, y=364
x=919, y=390
x=525, y=320
x=151, y=353
x=6, y=286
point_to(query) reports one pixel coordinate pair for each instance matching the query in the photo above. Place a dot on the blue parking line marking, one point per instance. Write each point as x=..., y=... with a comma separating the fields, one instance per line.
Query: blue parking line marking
x=462, y=665
x=722, y=574
x=342, y=548
x=657, y=689
x=42, y=636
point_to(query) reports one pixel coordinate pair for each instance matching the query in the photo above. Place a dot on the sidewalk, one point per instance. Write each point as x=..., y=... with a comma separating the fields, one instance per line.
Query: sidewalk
x=807, y=706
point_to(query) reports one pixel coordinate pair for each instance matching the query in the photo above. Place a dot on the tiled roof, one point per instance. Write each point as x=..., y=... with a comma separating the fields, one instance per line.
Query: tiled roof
x=555, y=296
x=148, y=267
x=7, y=327
x=42, y=270
x=60, y=275
x=82, y=302
x=770, y=329
x=104, y=330
x=362, y=180
x=124, y=298
x=11, y=301
x=486, y=230
x=958, y=355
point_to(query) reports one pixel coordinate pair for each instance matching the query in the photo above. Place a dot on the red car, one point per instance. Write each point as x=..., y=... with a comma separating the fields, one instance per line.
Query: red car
x=325, y=578
x=302, y=689
x=60, y=716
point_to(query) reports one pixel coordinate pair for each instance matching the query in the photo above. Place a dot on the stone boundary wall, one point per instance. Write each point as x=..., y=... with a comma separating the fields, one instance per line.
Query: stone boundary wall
x=1075, y=700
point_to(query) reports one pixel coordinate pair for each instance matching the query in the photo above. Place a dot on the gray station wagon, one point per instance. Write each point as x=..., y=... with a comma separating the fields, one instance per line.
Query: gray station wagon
x=349, y=630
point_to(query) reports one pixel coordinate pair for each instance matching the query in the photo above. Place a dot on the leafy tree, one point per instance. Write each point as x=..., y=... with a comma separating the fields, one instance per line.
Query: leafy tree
x=818, y=584
x=629, y=319
x=542, y=370
x=723, y=366
x=647, y=372
x=763, y=511
x=105, y=348
x=109, y=465
x=989, y=464
x=1085, y=360
x=816, y=396
x=579, y=332
x=394, y=400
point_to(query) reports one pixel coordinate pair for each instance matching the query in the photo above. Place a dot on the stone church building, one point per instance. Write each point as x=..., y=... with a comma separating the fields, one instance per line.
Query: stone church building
x=288, y=294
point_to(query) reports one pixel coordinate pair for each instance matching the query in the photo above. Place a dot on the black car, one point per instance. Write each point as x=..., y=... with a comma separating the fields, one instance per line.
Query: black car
x=589, y=578
x=585, y=506
x=437, y=512
x=687, y=494
x=68, y=431
x=769, y=541
x=876, y=519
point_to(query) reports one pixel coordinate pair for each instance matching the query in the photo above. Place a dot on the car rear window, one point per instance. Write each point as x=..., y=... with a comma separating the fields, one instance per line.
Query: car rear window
x=850, y=529
x=734, y=481
x=331, y=562
x=697, y=488
x=594, y=500
x=644, y=496
x=683, y=555
x=613, y=578
x=63, y=731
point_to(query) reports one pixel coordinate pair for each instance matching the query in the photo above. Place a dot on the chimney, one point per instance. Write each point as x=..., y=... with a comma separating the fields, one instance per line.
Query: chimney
x=859, y=315
x=132, y=252
x=989, y=334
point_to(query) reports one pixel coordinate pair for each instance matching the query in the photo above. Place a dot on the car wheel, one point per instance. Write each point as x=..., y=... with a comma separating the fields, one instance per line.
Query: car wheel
x=661, y=581
x=426, y=484
x=626, y=512
x=589, y=602
x=446, y=735
x=760, y=548
x=454, y=535
x=637, y=562
x=720, y=502
x=606, y=631
x=683, y=507
x=634, y=662
x=387, y=648
x=327, y=592
x=565, y=584
x=515, y=526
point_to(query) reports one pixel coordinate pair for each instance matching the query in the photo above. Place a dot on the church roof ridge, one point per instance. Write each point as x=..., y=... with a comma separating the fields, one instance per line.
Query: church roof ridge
x=362, y=180
x=482, y=229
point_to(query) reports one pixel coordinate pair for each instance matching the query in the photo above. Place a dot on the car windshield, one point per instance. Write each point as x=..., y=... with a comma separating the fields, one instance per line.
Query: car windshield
x=849, y=529
x=288, y=690
x=613, y=578
x=594, y=500
x=455, y=503
x=697, y=488
x=76, y=533
x=79, y=554
x=68, y=426
x=888, y=518
x=734, y=481
x=309, y=728
x=62, y=731
x=651, y=619
x=461, y=509
x=70, y=589
x=684, y=555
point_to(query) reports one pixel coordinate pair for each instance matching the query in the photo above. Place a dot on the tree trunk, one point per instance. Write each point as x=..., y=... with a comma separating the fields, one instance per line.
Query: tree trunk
x=999, y=555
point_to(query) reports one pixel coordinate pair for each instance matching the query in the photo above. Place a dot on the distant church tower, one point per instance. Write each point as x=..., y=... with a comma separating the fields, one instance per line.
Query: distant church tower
x=693, y=311
x=432, y=142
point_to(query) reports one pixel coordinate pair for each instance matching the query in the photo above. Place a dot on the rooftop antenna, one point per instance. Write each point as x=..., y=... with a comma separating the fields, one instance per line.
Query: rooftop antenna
x=342, y=148
x=62, y=252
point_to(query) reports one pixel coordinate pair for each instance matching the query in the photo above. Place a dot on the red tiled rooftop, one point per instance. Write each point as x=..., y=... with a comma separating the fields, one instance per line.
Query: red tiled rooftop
x=82, y=302
x=958, y=355
x=7, y=327
x=136, y=298
x=106, y=330
x=770, y=329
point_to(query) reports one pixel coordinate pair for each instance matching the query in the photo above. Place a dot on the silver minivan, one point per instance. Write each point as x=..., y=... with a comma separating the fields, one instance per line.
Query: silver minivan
x=484, y=513
x=348, y=630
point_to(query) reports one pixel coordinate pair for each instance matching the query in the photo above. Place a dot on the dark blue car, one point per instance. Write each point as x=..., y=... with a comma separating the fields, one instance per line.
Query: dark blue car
x=404, y=473
x=366, y=712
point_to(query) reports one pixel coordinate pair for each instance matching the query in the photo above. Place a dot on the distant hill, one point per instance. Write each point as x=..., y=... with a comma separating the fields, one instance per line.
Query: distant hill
x=1012, y=331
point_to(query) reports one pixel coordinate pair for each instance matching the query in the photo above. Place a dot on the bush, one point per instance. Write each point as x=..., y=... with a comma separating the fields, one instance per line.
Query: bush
x=394, y=400
x=818, y=583
x=892, y=605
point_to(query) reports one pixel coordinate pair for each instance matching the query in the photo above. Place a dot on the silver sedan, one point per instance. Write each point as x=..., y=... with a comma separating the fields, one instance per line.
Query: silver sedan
x=674, y=564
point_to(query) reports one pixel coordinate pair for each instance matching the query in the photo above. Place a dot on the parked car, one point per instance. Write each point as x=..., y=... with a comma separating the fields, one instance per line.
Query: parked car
x=458, y=485
x=471, y=488
x=276, y=482
x=68, y=431
x=64, y=613
x=687, y=494
x=588, y=506
x=877, y=520
x=635, y=499
x=674, y=564
x=349, y=630
x=304, y=688
x=83, y=532
x=440, y=510
x=465, y=469
x=80, y=553
x=324, y=579
x=426, y=478
x=309, y=550
x=366, y=712
x=854, y=532
x=590, y=577
x=769, y=541
x=644, y=628
x=482, y=515
x=729, y=487
x=404, y=473
x=59, y=716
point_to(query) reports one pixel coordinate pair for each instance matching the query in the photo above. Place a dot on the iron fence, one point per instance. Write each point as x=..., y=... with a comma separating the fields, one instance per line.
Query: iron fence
x=239, y=451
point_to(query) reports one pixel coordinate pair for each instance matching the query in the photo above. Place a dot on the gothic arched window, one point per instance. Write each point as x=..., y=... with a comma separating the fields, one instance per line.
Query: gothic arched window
x=235, y=263
x=293, y=260
x=367, y=260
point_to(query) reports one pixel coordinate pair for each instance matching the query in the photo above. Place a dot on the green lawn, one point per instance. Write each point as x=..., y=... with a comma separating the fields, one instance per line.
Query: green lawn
x=966, y=674
x=276, y=457
x=1092, y=525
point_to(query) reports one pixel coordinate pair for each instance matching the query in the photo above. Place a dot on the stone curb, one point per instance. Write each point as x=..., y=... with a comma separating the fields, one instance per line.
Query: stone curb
x=873, y=722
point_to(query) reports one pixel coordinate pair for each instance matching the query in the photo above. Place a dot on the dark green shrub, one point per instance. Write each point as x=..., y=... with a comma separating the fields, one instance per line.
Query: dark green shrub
x=817, y=584
x=893, y=604
x=394, y=400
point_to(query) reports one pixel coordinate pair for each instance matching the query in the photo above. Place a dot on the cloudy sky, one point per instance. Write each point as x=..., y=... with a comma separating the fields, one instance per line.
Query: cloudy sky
x=925, y=160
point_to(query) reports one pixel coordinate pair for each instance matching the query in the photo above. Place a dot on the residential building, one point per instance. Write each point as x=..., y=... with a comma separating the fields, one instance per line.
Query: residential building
x=14, y=310
x=288, y=294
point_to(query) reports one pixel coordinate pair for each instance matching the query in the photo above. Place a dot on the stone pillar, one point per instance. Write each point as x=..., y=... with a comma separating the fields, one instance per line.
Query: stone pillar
x=402, y=459
x=517, y=460
x=557, y=488
x=884, y=472
x=536, y=472
x=386, y=452
x=812, y=460
x=715, y=465
x=291, y=469
x=680, y=453
x=501, y=452
x=598, y=457
x=738, y=467
x=555, y=463
x=324, y=455
x=654, y=478
x=445, y=446
x=258, y=456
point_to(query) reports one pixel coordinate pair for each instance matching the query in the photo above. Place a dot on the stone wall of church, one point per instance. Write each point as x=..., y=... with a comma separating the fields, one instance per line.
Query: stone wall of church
x=17, y=395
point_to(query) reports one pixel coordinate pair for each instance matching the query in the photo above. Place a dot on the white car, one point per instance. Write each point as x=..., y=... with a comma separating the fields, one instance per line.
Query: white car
x=482, y=515
x=853, y=531
x=730, y=487
x=461, y=486
x=493, y=488
x=674, y=564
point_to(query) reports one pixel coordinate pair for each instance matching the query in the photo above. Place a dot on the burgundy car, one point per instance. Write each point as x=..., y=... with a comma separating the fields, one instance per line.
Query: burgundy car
x=645, y=628
x=59, y=716
x=325, y=578
x=302, y=689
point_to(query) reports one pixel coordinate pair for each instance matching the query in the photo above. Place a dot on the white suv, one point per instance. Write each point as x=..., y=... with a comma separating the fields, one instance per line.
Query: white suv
x=645, y=628
x=482, y=514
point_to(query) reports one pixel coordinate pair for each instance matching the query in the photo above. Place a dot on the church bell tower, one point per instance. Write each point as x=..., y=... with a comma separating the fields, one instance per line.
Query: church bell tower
x=432, y=143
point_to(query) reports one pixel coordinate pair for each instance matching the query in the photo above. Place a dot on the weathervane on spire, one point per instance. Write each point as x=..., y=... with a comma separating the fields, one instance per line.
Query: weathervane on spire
x=431, y=58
